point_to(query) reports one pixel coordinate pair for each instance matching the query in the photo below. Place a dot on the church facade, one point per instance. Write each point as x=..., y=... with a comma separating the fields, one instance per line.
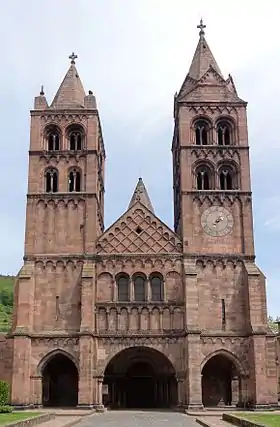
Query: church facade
x=140, y=315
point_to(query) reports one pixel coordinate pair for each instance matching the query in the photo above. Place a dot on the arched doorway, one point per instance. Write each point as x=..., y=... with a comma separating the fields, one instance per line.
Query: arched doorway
x=220, y=382
x=60, y=382
x=140, y=377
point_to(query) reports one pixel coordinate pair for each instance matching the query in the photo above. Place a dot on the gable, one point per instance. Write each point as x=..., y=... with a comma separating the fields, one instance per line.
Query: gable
x=138, y=231
x=210, y=87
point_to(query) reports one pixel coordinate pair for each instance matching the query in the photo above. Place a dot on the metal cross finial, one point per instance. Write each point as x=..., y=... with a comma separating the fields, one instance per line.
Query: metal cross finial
x=201, y=26
x=73, y=57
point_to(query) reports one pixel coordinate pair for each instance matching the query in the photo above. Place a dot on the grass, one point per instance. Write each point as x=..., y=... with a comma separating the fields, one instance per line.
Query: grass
x=269, y=420
x=16, y=416
x=6, y=302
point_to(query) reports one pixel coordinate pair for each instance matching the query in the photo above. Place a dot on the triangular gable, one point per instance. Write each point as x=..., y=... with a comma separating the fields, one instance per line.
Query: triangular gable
x=221, y=90
x=138, y=231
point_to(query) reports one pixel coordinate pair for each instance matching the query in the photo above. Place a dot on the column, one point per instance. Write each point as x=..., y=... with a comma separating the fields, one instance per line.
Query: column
x=99, y=406
x=36, y=391
x=235, y=390
x=180, y=392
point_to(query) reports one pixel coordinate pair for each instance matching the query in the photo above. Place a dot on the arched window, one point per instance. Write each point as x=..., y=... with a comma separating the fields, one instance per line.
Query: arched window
x=123, y=288
x=224, y=130
x=75, y=137
x=51, y=181
x=202, y=130
x=156, y=288
x=203, y=178
x=226, y=176
x=74, y=180
x=139, y=288
x=53, y=139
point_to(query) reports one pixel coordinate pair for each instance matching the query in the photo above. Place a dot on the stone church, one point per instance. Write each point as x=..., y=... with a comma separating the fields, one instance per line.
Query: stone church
x=139, y=315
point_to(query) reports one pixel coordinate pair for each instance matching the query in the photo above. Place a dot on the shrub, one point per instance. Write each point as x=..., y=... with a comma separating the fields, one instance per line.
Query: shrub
x=5, y=409
x=4, y=393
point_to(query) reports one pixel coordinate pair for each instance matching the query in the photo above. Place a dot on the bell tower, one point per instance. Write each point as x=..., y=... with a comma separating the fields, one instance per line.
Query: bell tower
x=225, y=290
x=54, y=290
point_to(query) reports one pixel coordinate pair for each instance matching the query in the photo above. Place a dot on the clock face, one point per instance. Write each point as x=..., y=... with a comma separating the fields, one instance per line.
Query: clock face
x=217, y=221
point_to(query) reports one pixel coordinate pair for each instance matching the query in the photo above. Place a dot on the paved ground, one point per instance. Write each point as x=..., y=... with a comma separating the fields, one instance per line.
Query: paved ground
x=138, y=419
x=61, y=421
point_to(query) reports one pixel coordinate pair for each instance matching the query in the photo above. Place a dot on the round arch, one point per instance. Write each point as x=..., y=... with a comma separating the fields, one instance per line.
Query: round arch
x=60, y=379
x=220, y=380
x=140, y=377
x=202, y=117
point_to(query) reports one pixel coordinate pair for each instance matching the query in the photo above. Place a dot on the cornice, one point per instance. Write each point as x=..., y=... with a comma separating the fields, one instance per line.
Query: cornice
x=144, y=304
x=61, y=152
x=213, y=146
x=196, y=256
x=213, y=103
x=69, y=112
x=68, y=196
x=236, y=193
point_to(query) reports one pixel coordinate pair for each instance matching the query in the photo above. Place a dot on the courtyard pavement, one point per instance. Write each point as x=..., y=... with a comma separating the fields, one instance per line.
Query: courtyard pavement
x=138, y=419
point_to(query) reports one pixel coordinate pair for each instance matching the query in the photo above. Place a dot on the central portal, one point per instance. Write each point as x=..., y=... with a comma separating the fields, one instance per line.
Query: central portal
x=140, y=377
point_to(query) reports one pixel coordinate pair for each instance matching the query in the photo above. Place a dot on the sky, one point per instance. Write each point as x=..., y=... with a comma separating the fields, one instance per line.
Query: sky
x=134, y=55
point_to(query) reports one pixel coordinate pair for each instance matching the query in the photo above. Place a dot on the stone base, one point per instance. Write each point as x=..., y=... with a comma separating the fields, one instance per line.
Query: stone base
x=265, y=407
x=85, y=406
x=24, y=407
x=194, y=407
x=100, y=408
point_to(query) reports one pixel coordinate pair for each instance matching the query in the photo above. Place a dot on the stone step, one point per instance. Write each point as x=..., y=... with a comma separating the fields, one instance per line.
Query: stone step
x=63, y=421
x=211, y=421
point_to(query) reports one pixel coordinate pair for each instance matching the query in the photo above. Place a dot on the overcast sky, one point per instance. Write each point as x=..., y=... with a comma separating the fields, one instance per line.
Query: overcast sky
x=134, y=56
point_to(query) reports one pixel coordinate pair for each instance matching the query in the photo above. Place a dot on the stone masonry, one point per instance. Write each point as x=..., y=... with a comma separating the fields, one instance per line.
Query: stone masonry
x=189, y=303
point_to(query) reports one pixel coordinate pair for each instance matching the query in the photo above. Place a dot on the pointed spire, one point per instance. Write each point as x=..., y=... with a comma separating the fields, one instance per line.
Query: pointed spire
x=203, y=57
x=71, y=93
x=141, y=195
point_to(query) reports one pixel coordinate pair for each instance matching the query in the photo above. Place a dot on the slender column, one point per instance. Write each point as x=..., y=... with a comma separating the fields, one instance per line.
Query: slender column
x=36, y=390
x=100, y=406
x=234, y=390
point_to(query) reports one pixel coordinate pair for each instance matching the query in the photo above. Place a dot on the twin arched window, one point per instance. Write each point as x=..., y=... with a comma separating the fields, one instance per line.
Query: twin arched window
x=205, y=178
x=51, y=180
x=75, y=138
x=224, y=131
x=140, y=288
x=74, y=180
x=53, y=138
x=74, y=135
